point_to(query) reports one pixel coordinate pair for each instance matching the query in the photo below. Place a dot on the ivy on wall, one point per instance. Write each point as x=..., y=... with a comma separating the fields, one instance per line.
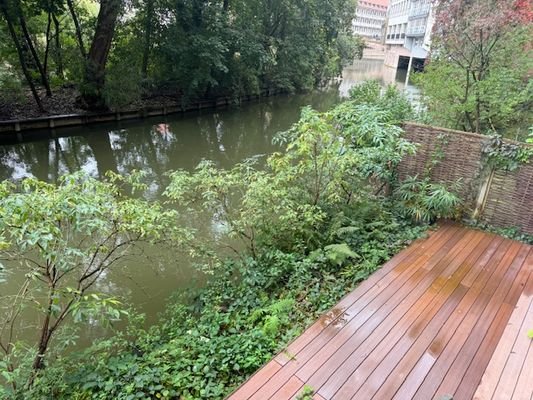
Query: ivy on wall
x=503, y=155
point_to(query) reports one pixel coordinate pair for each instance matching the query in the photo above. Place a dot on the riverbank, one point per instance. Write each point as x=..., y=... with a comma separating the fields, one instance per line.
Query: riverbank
x=300, y=259
x=70, y=115
x=22, y=114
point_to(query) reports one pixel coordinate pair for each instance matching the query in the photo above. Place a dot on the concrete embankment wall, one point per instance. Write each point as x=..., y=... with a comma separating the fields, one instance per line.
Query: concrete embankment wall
x=59, y=121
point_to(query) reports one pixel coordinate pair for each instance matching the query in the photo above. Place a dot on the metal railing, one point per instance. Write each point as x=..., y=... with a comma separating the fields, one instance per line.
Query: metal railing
x=419, y=11
x=416, y=31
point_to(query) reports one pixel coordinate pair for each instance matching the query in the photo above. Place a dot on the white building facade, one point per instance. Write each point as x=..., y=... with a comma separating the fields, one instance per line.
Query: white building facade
x=409, y=25
x=370, y=17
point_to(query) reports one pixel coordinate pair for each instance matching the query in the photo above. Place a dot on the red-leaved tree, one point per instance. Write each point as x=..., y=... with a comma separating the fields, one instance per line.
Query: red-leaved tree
x=468, y=33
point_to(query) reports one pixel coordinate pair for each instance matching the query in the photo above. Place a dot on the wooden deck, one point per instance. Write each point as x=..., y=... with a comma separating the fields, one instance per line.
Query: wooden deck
x=425, y=326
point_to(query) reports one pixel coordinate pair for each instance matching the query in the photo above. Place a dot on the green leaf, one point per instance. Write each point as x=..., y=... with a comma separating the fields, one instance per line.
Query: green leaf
x=339, y=253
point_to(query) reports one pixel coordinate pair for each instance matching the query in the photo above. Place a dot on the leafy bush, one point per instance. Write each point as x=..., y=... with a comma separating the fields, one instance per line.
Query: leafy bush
x=332, y=161
x=64, y=237
x=390, y=99
x=311, y=222
x=306, y=394
x=245, y=315
x=513, y=233
x=425, y=201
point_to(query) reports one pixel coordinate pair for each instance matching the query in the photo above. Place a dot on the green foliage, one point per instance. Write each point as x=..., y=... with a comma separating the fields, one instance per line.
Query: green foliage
x=205, y=349
x=64, y=238
x=188, y=49
x=332, y=160
x=124, y=82
x=495, y=96
x=339, y=253
x=306, y=393
x=10, y=84
x=513, y=233
x=425, y=201
x=312, y=222
x=506, y=155
x=350, y=47
x=530, y=136
x=391, y=99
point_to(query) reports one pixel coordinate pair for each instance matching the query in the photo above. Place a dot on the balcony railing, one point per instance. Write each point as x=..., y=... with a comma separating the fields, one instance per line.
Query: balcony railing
x=418, y=12
x=416, y=31
x=366, y=24
x=395, y=38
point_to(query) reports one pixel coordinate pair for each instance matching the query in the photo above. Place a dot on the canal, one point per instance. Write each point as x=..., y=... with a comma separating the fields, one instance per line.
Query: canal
x=156, y=146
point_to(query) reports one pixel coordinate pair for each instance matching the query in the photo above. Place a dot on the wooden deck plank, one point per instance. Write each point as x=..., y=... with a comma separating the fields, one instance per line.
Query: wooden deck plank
x=461, y=378
x=254, y=383
x=391, y=311
x=505, y=372
x=406, y=256
x=425, y=324
x=464, y=344
x=515, y=363
x=436, y=249
x=393, y=369
x=387, y=334
x=289, y=389
x=524, y=387
x=472, y=376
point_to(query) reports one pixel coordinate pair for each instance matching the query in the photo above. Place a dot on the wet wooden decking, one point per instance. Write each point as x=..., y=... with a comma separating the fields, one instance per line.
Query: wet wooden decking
x=425, y=326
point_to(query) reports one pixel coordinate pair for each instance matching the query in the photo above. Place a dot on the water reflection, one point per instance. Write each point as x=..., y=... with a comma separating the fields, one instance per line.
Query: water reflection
x=375, y=69
x=155, y=146
x=159, y=145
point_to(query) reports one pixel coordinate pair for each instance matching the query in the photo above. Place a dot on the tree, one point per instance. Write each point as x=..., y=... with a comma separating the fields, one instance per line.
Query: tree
x=66, y=237
x=95, y=68
x=480, y=53
x=18, y=10
x=79, y=35
x=148, y=33
x=8, y=11
x=331, y=161
x=190, y=49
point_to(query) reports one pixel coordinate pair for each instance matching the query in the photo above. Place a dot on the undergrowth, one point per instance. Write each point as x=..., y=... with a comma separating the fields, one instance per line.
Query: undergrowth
x=208, y=344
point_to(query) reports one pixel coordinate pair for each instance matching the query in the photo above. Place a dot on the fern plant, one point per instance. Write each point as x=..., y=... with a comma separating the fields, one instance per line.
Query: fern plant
x=273, y=317
x=339, y=253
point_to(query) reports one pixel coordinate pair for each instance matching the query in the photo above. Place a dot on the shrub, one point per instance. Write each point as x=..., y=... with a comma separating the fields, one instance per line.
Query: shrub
x=425, y=201
x=313, y=222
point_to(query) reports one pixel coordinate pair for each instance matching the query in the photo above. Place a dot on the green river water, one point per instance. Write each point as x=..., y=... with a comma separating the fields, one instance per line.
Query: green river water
x=155, y=146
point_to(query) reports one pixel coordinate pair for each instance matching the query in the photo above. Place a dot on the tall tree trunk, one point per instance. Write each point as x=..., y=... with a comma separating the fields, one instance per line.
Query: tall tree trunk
x=34, y=54
x=48, y=40
x=225, y=5
x=42, y=348
x=79, y=35
x=99, y=52
x=44, y=339
x=20, y=53
x=197, y=13
x=57, y=53
x=148, y=27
